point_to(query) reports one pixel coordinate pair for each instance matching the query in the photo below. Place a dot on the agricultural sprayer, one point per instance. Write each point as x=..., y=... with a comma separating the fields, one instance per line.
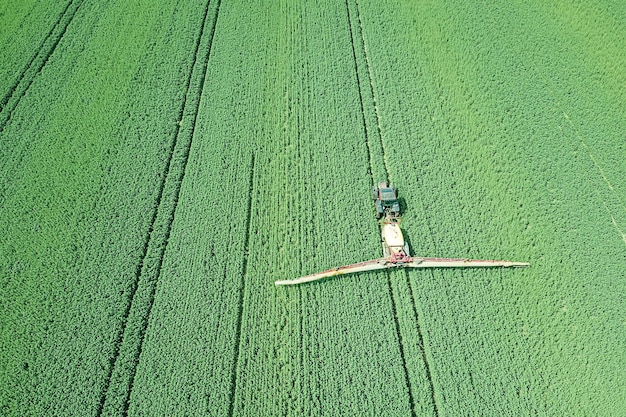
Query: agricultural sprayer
x=395, y=249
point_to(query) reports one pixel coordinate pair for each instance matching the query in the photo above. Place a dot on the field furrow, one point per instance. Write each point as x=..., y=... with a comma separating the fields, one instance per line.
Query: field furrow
x=376, y=159
x=26, y=77
x=21, y=45
x=371, y=125
x=116, y=396
x=406, y=325
x=314, y=333
x=82, y=191
x=197, y=290
x=402, y=342
x=244, y=274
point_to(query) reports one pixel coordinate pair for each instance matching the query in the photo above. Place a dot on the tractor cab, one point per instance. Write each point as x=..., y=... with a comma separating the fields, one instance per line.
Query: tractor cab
x=388, y=195
x=385, y=201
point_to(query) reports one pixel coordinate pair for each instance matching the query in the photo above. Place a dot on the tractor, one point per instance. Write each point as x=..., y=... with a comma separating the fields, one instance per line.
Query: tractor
x=386, y=201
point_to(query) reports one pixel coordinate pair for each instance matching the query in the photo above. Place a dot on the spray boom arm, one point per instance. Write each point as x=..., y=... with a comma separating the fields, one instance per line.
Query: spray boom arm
x=386, y=263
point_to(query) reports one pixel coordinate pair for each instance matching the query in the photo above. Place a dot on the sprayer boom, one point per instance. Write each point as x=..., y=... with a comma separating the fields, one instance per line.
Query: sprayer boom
x=395, y=248
x=386, y=263
x=461, y=263
x=372, y=265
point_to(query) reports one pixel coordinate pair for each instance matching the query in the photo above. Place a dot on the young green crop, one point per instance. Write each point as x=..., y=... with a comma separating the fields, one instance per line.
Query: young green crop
x=164, y=163
x=486, y=139
x=82, y=159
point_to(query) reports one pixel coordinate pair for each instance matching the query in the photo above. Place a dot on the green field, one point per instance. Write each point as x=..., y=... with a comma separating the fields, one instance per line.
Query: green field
x=163, y=163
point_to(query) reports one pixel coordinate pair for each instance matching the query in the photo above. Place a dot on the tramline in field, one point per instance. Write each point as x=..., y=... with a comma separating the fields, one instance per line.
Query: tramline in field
x=396, y=252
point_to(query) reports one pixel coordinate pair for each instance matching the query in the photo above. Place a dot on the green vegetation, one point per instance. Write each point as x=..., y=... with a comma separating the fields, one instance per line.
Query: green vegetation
x=163, y=163
x=24, y=51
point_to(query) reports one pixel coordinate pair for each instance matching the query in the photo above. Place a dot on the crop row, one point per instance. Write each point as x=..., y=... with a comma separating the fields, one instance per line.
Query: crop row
x=241, y=347
x=415, y=362
x=19, y=67
x=86, y=151
x=116, y=396
x=496, y=169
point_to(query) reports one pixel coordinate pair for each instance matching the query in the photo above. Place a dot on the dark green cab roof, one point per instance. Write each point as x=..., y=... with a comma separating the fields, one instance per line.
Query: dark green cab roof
x=387, y=194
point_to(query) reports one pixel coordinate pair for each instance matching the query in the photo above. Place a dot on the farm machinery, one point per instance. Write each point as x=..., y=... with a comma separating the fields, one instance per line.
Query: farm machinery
x=396, y=253
x=386, y=201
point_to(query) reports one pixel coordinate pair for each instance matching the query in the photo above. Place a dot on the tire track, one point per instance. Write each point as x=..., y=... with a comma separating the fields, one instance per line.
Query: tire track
x=244, y=273
x=358, y=83
x=34, y=67
x=19, y=78
x=400, y=342
x=371, y=88
x=372, y=97
x=422, y=344
x=186, y=150
x=370, y=157
x=148, y=270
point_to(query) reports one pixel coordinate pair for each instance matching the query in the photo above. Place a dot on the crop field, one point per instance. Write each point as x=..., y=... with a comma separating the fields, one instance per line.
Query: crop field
x=163, y=163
